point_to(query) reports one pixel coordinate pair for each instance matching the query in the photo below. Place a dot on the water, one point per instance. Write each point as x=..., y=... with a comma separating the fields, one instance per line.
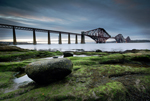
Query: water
x=73, y=56
x=19, y=82
x=88, y=47
x=22, y=79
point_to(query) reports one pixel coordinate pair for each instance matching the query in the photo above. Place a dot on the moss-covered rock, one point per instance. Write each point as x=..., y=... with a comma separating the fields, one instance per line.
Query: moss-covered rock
x=5, y=79
x=47, y=71
x=105, y=77
x=68, y=54
x=11, y=48
x=18, y=56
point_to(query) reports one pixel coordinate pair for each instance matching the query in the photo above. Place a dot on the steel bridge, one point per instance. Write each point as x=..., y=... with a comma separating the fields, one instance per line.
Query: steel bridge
x=13, y=27
x=99, y=35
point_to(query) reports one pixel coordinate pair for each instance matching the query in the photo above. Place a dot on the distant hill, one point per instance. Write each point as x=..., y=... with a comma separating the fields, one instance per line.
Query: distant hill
x=132, y=41
x=140, y=40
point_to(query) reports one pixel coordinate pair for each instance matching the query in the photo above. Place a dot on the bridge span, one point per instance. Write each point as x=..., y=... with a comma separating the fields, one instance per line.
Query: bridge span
x=14, y=27
x=99, y=35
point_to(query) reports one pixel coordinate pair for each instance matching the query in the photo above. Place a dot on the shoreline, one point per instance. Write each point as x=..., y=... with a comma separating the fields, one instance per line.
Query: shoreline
x=99, y=76
x=110, y=47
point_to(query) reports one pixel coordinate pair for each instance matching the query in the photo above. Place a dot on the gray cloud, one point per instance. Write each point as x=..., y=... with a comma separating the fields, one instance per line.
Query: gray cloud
x=116, y=16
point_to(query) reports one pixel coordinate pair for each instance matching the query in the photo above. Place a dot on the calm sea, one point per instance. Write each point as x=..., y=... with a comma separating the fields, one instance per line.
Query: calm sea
x=88, y=47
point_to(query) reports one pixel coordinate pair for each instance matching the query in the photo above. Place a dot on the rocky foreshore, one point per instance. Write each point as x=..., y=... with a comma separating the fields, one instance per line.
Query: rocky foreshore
x=99, y=76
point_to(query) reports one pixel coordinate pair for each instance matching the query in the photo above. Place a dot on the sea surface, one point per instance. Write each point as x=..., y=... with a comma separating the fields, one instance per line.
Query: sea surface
x=87, y=47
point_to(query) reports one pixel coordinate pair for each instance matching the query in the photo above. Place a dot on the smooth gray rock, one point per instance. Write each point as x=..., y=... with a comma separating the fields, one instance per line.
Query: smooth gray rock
x=47, y=71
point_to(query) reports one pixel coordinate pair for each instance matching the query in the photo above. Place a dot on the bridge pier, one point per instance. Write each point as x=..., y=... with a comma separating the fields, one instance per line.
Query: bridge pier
x=13, y=27
x=82, y=38
x=49, y=40
x=69, y=38
x=34, y=37
x=60, y=42
x=14, y=36
x=76, y=42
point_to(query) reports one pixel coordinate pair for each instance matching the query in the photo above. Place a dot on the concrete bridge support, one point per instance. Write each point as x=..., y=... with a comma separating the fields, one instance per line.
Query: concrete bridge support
x=69, y=39
x=14, y=36
x=49, y=40
x=34, y=37
x=60, y=42
x=76, y=42
x=82, y=38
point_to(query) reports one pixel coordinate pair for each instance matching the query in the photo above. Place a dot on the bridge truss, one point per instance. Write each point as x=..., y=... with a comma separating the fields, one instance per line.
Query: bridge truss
x=99, y=35
x=120, y=39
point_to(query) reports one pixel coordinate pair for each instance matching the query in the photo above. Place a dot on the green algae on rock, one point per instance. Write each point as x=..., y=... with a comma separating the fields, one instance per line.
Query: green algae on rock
x=68, y=54
x=107, y=77
x=11, y=48
x=17, y=56
x=47, y=71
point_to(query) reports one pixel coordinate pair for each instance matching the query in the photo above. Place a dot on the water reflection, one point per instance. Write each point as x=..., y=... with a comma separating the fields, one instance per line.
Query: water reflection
x=89, y=47
x=18, y=82
x=23, y=79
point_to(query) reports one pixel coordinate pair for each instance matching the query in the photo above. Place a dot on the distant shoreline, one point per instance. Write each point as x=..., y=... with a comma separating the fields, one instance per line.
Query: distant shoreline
x=132, y=41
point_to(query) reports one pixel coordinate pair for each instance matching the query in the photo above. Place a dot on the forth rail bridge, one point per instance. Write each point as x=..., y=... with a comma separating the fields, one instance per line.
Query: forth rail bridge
x=99, y=35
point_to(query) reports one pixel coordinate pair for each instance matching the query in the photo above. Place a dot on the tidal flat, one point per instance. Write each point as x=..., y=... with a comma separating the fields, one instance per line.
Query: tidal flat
x=106, y=76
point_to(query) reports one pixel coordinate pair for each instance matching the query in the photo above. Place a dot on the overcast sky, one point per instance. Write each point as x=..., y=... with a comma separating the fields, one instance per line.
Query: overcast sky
x=126, y=17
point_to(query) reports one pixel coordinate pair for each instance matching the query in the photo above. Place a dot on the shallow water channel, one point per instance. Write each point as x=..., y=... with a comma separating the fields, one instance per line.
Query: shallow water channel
x=23, y=80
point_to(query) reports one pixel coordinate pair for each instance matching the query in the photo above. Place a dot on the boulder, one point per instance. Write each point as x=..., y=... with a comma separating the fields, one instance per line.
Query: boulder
x=47, y=71
x=68, y=54
x=131, y=51
x=98, y=50
x=55, y=57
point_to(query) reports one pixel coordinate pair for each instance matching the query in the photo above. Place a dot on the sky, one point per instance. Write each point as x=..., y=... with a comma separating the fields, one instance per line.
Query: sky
x=127, y=17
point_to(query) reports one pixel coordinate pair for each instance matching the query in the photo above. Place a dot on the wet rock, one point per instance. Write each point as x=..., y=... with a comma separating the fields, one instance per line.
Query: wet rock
x=11, y=48
x=98, y=50
x=131, y=51
x=55, y=57
x=78, y=50
x=47, y=71
x=68, y=54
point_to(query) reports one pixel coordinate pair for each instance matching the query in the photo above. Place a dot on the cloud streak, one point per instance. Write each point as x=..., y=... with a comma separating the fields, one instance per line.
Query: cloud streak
x=128, y=17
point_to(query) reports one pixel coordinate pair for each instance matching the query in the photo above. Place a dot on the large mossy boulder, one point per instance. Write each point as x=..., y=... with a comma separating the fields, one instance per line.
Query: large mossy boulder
x=47, y=71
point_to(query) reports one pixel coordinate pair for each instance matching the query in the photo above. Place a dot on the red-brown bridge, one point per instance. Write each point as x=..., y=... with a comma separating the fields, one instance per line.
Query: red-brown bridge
x=99, y=35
